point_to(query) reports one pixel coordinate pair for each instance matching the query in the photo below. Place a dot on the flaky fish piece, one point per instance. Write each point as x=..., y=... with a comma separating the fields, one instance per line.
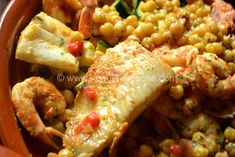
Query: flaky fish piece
x=44, y=41
x=126, y=80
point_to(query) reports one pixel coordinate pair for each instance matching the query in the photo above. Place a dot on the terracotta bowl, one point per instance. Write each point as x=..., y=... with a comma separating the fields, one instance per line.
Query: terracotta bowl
x=5, y=152
x=14, y=19
x=16, y=16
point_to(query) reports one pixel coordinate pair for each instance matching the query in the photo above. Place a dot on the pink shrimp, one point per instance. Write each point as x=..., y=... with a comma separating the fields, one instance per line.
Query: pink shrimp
x=213, y=75
x=49, y=100
x=65, y=10
x=223, y=13
x=85, y=24
x=176, y=57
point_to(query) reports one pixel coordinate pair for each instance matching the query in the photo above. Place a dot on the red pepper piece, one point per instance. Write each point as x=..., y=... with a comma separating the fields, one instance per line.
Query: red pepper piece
x=91, y=93
x=75, y=47
x=92, y=119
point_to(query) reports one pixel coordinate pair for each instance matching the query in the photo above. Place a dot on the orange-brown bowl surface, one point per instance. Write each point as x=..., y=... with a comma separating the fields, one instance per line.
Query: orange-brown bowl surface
x=16, y=16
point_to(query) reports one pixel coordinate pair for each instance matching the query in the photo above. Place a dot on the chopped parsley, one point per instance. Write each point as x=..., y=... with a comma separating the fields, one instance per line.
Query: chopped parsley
x=62, y=53
x=220, y=141
x=62, y=43
x=105, y=98
x=79, y=86
x=180, y=76
x=194, y=143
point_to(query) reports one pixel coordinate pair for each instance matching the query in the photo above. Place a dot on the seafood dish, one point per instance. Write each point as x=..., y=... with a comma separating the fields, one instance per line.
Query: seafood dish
x=129, y=78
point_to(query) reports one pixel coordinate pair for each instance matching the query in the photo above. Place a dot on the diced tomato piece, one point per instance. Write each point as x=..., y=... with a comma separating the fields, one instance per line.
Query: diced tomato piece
x=91, y=93
x=176, y=149
x=75, y=47
x=92, y=119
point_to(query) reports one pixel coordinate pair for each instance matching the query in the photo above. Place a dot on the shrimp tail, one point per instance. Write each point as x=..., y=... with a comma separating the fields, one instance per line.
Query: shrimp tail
x=48, y=135
x=85, y=22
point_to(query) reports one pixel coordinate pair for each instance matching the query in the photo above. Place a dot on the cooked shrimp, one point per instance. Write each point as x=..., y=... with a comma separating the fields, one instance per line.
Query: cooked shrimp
x=176, y=57
x=85, y=22
x=205, y=126
x=223, y=13
x=213, y=75
x=73, y=12
x=208, y=72
x=63, y=10
x=198, y=122
x=179, y=58
x=176, y=109
x=183, y=76
x=37, y=92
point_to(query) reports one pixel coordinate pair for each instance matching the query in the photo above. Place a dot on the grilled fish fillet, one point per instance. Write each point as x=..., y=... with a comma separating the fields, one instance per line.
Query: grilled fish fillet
x=127, y=79
x=44, y=41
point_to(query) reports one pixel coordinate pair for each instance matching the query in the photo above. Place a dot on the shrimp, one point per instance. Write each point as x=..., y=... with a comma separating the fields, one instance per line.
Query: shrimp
x=77, y=13
x=213, y=75
x=37, y=92
x=180, y=59
x=207, y=127
x=63, y=10
x=85, y=24
x=207, y=72
x=223, y=13
x=176, y=57
x=183, y=76
x=176, y=109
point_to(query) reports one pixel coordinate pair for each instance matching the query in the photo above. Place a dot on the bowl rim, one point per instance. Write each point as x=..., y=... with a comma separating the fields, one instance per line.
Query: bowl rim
x=5, y=152
x=10, y=134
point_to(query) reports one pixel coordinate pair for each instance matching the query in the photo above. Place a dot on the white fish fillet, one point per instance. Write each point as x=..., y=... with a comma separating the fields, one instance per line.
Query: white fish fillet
x=44, y=42
x=127, y=79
